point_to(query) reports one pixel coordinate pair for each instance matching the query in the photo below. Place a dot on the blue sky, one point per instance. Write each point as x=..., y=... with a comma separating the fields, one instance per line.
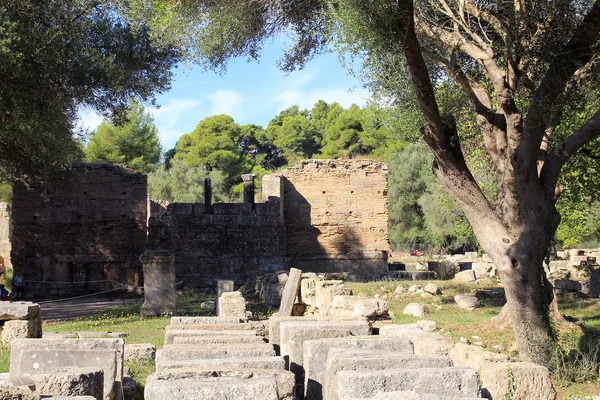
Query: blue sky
x=250, y=92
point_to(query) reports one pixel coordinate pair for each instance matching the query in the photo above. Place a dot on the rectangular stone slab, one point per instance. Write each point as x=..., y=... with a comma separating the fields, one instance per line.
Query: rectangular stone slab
x=316, y=353
x=411, y=395
x=223, y=339
x=161, y=387
x=294, y=334
x=182, y=352
x=454, y=382
x=18, y=310
x=260, y=327
x=290, y=292
x=226, y=363
x=171, y=334
x=368, y=360
x=205, y=320
x=29, y=356
x=276, y=320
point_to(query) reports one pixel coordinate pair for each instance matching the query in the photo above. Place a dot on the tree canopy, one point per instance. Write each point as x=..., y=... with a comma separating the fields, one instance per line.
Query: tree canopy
x=57, y=56
x=133, y=144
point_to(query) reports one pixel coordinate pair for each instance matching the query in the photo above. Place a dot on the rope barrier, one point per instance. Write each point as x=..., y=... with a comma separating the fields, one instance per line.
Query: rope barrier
x=78, y=297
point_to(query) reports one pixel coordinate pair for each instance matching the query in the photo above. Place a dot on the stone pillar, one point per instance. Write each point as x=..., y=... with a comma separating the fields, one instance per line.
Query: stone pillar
x=248, y=188
x=223, y=286
x=159, y=283
x=272, y=190
x=5, y=234
x=207, y=193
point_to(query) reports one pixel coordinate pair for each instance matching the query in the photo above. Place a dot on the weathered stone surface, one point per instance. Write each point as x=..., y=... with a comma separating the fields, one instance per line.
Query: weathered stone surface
x=411, y=395
x=29, y=356
x=325, y=291
x=208, y=305
x=206, y=320
x=427, y=326
x=139, y=352
x=59, y=335
x=220, y=339
x=595, y=284
x=316, y=354
x=172, y=334
x=432, y=289
x=530, y=381
x=239, y=363
x=344, y=302
x=308, y=290
x=467, y=302
x=275, y=322
x=567, y=284
x=466, y=276
x=425, y=343
x=417, y=309
x=361, y=360
x=159, y=283
x=91, y=334
x=453, y=382
x=234, y=385
x=223, y=286
x=288, y=298
x=21, y=329
x=444, y=269
x=5, y=211
x=70, y=382
x=473, y=356
x=327, y=203
x=10, y=310
x=182, y=352
x=294, y=334
x=371, y=308
x=87, y=224
x=482, y=270
x=231, y=304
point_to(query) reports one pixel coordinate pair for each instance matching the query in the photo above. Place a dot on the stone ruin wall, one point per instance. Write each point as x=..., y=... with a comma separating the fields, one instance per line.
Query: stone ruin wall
x=5, y=236
x=336, y=216
x=235, y=241
x=88, y=224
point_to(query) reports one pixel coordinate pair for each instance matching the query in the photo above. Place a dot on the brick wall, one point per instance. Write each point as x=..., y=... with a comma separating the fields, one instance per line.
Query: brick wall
x=87, y=224
x=232, y=241
x=336, y=216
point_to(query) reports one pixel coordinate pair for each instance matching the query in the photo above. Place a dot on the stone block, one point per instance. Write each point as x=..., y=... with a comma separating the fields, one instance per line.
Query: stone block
x=205, y=320
x=595, y=284
x=223, y=286
x=231, y=304
x=482, y=270
x=208, y=305
x=344, y=302
x=466, y=276
x=568, y=285
x=417, y=310
x=232, y=385
x=294, y=334
x=182, y=352
x=316, y=354
x=275, y=322
x=467, y=302
x=366, y=360
x=425, y=343
x=308, y=289
x=371, y=308
x=473, y=356
x=139, y=352
x=29, y=356
x=325, y=291
x=530, y=381
x=217, y=340
x=21, y=329
x=290, y=292
x=172, y=334
x=70, y=382
x=444, y=269
x=272, y=362
x=432, y=289
x=411, y=395
x=453, y=382
x=18, y=310
x=427, y=326
x=159, y=283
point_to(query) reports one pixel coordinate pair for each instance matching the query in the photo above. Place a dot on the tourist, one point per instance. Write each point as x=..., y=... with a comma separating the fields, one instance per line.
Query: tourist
x=18, y=285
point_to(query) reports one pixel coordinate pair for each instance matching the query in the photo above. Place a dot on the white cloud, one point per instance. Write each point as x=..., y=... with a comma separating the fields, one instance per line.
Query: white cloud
x=172, y=119
x=225, y=101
